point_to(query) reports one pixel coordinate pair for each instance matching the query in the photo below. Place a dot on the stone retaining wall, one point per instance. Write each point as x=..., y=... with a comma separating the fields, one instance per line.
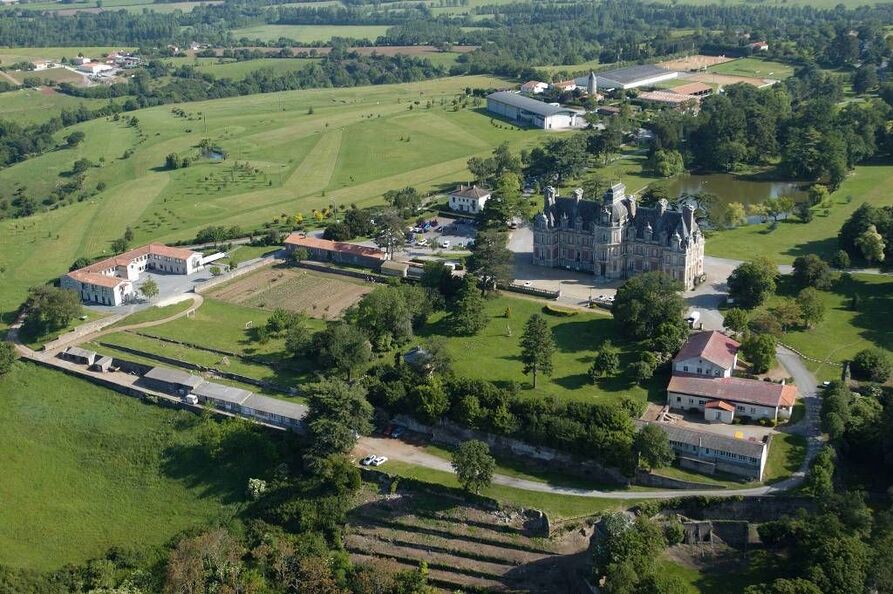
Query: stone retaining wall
x=647, y=479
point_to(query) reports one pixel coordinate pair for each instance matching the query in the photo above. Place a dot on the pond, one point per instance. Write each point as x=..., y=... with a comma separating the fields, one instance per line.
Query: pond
x=730, y=188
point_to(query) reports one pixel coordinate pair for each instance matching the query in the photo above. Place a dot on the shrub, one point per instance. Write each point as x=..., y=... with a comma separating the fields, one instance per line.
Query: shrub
x=871, y=365
x=554, y=310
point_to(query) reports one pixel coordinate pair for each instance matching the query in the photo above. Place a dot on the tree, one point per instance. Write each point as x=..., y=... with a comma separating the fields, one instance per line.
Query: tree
x=473, y=465
x=505, y=205
x=811, y=271
x=812, y=306
x=840, y=260
x=336, y=412
x=871, y=243
x=751, y=283
x=299, y=255
x=820, y=480
x=120, y=245
x=787, y=312
x=75, y=138
x=865, y=78
x=490, y=260
x=725, y=215
x=149, y=289
x=469, y=316
x=431, y=400
x=668, y=163
x=537, y=347
x=652, y=447
x=385, y=316
x=646, y=301
x=759, y=350
x=390, y=231
x=643, y=369
x=297, y=338
x=7, y=357
x=605, y=362
x=342, y=346
x=406, y=201
x=871, y=364
x=735, y=319
x=49, y=309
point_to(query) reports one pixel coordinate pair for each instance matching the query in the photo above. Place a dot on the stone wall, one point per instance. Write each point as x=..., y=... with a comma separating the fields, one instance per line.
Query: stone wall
x=648, y=479
x=750, y=509
x=542, y=458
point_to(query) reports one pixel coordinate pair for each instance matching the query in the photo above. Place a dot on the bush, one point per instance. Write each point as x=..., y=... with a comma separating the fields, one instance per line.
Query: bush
x=562, y=312
x=871, y=365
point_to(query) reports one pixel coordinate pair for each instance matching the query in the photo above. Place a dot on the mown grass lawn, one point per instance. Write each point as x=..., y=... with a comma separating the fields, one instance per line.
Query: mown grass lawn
x=754, y=67
x=153, y=314
x=867, y=183
x=85, y=469
x=494, y=353
x=37, y=342
x=786, y=453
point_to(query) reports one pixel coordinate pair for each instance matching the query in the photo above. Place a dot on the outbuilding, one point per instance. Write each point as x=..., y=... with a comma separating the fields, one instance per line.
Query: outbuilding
x=172, y=381
x=530, y=112
x=394, y=268
x=102, y=364
x=79, y=355
x=633, y=77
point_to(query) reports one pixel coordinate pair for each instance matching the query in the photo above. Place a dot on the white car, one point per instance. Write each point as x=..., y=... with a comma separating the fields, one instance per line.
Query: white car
x=445, y=244
x=378, y=461
x=368, y=460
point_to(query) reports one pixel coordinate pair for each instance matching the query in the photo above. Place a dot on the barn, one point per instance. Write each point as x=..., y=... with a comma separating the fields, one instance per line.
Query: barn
x=530, y=112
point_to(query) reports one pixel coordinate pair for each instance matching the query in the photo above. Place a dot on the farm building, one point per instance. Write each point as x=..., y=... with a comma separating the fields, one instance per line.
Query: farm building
x=754, y=399
x=102, y=364
x=273, y=411
x=109, y=281
x=708, y=354
x=94, y=68
x=531, y=112
x=709, y=452
x=171, y=381
x=78, y=355
x=469, y=199
x=671, y=100
x=565, y=86
x=534, y=87
x=633, y=77
x=220, y=396
x=324, y=250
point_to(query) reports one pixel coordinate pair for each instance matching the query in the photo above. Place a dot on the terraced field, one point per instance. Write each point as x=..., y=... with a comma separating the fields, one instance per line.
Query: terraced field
x=465, y=547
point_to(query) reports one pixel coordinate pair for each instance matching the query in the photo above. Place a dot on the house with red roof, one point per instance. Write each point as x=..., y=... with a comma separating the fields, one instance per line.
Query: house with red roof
x=709, y=354
x=324, y=250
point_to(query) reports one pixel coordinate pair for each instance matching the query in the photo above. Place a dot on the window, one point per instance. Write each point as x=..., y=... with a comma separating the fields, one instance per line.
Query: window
x=700, y=371
x=685, y=368
x=678, y=399
x=716, y=372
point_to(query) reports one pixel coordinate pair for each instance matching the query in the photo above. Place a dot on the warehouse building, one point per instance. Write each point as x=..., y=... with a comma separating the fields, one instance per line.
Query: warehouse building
x=530, y=112
x=633, y=77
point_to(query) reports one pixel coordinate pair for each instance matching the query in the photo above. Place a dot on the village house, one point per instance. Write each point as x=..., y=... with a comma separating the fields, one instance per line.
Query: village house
x=110, y=281
x=709, y=354
x=324, y=250
x=615, y=238
x=565, y=86
x=534, y=87
x=469, y=199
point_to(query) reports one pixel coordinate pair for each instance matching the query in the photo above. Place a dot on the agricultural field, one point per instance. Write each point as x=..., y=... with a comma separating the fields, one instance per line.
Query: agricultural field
x=288, y=152
x=494, y=353
x=822, y=4
x=867, y=183
x=92, y=469
x=310, y=33
x=55, y=75
x=318, y=295
x=222, y=68
x=32, y=106
x=21, y=54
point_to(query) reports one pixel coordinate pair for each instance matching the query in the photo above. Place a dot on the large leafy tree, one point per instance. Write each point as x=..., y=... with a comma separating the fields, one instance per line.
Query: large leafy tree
x=491, y=260
x=49, y=309
x=473, y=465
x=342, y=346
x=537, y=347
x=759, y=350
x=812, y=271
x=646, y=301
x=751, y=283
x=337, y=412
x=652, y=446
x=468, y=316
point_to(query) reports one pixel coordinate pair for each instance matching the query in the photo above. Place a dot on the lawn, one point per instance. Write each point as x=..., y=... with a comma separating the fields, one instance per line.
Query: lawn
x=153, y=314
x=310, y=33
x=754, y=67
x=786, y=453
x=86, y=469
x=844, y=332
x=349, y=150
x=222, y=68
x=494, y=353
x=557, y=506
x=36, y=342
x=868, y=183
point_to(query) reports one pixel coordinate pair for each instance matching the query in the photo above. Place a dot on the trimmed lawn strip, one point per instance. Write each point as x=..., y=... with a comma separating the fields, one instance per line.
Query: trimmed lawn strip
x=153, y=314
x=786, y=453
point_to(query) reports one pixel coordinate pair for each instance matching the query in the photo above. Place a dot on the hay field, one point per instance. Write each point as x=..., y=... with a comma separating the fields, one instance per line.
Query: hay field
x=318, y=295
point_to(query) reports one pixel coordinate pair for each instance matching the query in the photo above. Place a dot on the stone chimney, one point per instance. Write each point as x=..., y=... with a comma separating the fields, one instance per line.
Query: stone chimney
x=662, y=205
x=615, y=194
x=632, y=205
x=578, y=195
x=549, y=195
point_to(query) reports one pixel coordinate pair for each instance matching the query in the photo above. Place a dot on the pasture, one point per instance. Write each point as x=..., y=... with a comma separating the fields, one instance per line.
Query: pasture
x=310, y=33
x=318, y=295
x=91, y=469
x=288, y=153
x=223, y=68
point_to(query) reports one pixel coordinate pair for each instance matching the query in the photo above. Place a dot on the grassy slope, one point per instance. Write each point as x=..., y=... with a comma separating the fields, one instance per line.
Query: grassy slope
x=300, y=161
x=868, y=183
x=85, y=469
x=494, y=355
x=29, y=106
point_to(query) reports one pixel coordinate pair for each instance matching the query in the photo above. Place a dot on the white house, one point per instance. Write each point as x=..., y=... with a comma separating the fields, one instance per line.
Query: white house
x=710, y=354
x=94, y=68
x=469, y=199
x=527, y=111
x=534, y=87
x=110, y=281
x=716, y=397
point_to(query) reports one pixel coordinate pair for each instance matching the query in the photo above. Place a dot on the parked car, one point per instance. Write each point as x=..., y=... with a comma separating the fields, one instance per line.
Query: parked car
x=398, y=431
x=693, y=318
x=368, y=460
x=445, y=243
x=378, y=461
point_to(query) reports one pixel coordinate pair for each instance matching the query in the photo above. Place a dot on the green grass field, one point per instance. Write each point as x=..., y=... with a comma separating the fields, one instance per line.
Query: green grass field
x=494, y=355
x=153, y=314
x=868, y=183
x=844, y=332
x=30, y=106
x=85, y=469
x=36, y=342
x=754, y=67
x=310, y=33
x=357, y=144
x=239, y=70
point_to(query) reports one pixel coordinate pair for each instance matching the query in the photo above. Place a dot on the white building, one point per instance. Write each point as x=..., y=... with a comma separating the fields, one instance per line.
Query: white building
x=94, y=68
x=531, y=112
x=753, y=399
x=709, y=354
x=110, y=281
x=469, y=199
x=534, y=87
x=633, y=77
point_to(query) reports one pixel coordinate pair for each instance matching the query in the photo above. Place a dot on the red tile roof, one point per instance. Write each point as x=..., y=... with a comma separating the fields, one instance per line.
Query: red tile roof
x=94, y=278
x=301, y=240
x=92, y=273
x=712, y=346
x=735, y=389
x=720, y=405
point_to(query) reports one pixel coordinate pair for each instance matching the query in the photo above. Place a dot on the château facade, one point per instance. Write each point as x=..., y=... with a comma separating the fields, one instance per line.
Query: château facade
x=615, y=239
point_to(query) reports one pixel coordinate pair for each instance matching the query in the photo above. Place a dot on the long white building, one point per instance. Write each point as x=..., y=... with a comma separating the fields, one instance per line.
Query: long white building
x=530, y=112
x=110, y=281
